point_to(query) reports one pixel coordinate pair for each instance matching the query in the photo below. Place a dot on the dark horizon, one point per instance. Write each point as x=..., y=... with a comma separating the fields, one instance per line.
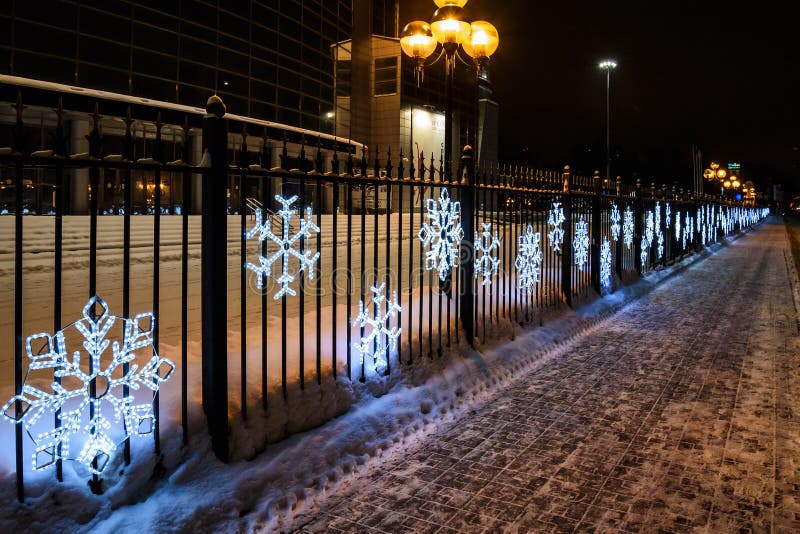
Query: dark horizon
x=716, y=75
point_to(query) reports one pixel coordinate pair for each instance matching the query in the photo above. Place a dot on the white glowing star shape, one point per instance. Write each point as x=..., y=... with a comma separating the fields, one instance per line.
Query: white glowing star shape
x=87, y=388
x=555, y=220
x=529, y=259
x=486, y=246
x=381, y=340
x=442, y=232
x=285, y=247
x=580, y=243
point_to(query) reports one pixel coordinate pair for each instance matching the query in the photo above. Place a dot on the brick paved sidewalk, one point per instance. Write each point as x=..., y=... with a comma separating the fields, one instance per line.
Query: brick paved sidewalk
x=680, y=413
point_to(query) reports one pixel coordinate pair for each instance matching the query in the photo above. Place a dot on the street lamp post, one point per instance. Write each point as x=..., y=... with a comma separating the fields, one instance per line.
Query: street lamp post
x=608, y=65
x=419, y=40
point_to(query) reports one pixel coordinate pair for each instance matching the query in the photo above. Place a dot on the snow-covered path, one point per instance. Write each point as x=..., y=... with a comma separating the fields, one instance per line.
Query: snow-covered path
x=680, y=412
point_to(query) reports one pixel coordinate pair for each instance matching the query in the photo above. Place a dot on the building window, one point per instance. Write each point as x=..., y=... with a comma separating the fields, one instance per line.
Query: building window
x=344, y=76
x=385, y=76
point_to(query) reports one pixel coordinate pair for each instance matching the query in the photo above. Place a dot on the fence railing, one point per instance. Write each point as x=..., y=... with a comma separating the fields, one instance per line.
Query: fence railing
x=358, y=269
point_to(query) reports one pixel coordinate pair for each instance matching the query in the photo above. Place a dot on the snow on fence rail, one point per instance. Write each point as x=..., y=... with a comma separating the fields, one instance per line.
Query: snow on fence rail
x=351, y=271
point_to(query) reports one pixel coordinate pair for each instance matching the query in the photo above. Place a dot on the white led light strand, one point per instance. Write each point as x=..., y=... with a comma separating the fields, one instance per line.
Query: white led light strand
x=486, y=261
x=529, y=259
x=113, y=417
x=605, y=264
x=442, y=232
x=580, y=243
x=555, y=219
x=627, y=227
x=381, y=340
x=285, y=243
x=615, y=219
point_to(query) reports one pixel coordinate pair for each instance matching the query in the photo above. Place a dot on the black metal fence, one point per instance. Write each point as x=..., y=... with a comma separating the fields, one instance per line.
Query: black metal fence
x=332, y=243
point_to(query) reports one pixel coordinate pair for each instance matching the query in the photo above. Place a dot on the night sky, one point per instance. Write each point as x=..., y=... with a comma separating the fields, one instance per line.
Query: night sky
x=723, y=76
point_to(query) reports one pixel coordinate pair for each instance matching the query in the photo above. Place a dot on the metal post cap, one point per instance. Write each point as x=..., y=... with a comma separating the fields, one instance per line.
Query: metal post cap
x=215, y=106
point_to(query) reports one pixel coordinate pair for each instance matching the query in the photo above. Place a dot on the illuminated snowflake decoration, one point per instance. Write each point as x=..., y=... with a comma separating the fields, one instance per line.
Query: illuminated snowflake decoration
x=667, y=220
x=580, y=244
x=87, y=388
x=529, y=259
x=627, y=227
x=442, y=233
x=486, y=246
x=381, y=340
x=677, y=226
x=555, y=220
x=605, y=264
x=643, y=253
x=615, y=220
x=285, y=247
x=660, y=243
x=649, y=228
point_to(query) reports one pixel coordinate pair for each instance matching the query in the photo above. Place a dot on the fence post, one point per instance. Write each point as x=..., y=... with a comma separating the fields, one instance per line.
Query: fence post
x=566, y=247
x=468, y=244
x=213, y=263
x=637, y=228
x=618, y=259
x=596, y=215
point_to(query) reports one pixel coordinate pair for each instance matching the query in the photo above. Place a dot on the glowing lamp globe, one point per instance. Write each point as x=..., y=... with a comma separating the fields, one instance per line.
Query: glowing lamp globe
x=448, y=27
x=457, y=3
x=726, y=183
x=417, y=40
x=722, y=173
x=708, y=174
x=715, y=166
x=483, y=40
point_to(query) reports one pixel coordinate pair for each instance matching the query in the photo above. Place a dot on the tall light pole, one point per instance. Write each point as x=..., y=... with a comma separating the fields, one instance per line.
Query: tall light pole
x=451, y=33
x=608, y=65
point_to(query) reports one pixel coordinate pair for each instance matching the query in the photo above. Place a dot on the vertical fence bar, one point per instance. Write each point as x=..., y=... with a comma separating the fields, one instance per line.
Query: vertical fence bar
x=57, y=295
x=468, y=245
x=157, y=274
x=566, y=247
x=596, y=238
x=243, y=276
x=19, y=183
x=318, y=195
x=214, y=277
x=302, y=284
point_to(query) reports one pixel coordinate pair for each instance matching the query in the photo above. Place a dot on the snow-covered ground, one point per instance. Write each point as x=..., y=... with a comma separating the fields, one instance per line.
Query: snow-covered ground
x=384, y=414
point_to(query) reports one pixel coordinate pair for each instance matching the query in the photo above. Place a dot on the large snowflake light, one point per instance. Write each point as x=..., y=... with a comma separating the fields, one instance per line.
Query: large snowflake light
x=615, y=220
x=555, y=220
x=529, y=259
x=381, y=340
x=605, y=264
x=87, y=387
x=486, y=260
x=442, y=232
x=286, y=246
x=627, y=227
x=580, y=244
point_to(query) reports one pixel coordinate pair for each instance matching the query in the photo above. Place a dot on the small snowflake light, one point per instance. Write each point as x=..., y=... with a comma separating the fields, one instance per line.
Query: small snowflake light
x=286, y=247
x=677, y=226
x=668, y=210
x=529, y=259
x=381, y=340
x=442, y=232
x=615, y=220
x=649, y=229
x=555, y=220
x=644, y=252
x=87, y=387
x=605, y=264
x=486, y=246
x=660, y=244
x=580, y=243
x=627, y=227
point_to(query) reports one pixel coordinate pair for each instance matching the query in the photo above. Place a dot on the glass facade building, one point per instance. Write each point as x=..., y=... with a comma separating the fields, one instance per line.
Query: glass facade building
x=267, y=59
